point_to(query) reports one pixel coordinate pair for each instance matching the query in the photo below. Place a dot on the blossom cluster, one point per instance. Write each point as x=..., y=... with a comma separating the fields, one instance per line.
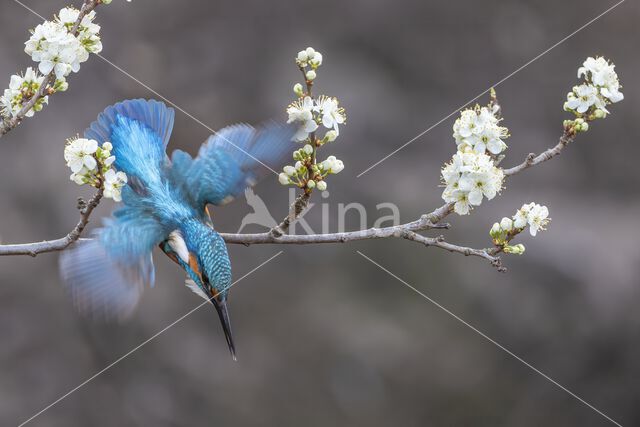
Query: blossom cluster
x=600, y=88
x=308, y=114
x=298, y=174
x=59, y=48
x=93, y=165
x=21, y=89
x=533, y=215
x=478, y=129
x=468, y=178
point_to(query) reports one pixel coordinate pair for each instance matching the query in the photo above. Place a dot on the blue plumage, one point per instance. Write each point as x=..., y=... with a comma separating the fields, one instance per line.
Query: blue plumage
x=164, y=204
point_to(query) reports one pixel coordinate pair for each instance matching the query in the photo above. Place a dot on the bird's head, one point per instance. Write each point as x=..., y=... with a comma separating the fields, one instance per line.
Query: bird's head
x=202, y=253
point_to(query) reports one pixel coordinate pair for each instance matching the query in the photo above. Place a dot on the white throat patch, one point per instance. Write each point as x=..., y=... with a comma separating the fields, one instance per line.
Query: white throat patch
x=177, y=243
x=196, y=289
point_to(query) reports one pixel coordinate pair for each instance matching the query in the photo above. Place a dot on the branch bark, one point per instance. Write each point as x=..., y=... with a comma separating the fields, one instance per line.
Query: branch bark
x=10, y=123
x=408, y=230
x=277, y=235
x=33, y=249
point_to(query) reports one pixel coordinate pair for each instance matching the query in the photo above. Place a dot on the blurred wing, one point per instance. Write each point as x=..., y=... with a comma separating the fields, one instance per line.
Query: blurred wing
x=231, y=160
x=105, y=276
x=154, y=114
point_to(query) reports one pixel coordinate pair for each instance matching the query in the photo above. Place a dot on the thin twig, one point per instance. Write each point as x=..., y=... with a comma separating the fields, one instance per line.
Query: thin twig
x=33, y=249
x=295, y=210
x=439, y=242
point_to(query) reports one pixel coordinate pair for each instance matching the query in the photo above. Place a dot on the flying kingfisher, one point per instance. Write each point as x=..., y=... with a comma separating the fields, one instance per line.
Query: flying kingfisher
x=165, y=204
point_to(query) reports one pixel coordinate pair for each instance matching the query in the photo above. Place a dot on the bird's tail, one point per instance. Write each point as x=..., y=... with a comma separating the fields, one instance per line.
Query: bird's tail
x=139, y=131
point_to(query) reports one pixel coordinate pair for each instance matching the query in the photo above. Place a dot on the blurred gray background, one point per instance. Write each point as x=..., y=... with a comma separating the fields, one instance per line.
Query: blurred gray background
x=324, y=337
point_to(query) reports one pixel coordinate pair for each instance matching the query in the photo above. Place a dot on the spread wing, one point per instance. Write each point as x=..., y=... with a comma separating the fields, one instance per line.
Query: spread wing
x=107, y=274
x=230, y=161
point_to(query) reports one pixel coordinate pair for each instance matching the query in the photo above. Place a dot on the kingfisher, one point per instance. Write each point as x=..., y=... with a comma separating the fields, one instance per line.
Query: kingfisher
x=165, y=204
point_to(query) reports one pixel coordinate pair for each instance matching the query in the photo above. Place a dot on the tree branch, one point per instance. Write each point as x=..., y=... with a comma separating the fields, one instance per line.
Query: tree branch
x=439, y=242
x=567, y=137
x=295, y=210
x=33, y=249
x=277, y=235
x=408, y=230
x=45, y=88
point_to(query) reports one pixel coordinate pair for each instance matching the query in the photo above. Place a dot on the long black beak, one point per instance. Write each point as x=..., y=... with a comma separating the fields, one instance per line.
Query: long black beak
x=221, y=308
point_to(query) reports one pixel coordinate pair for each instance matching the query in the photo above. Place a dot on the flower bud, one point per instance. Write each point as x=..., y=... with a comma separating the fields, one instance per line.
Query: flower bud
x=61, y=85
x=337, y=167
x=495, y=230
x=308, y=149
x=321, y=185
x=310, y=75
x=289, y=170
x=107, y=146
x=331, y=135
x=298, y=90
x=302, y=56
x=515, y=250
x=284, y=179
x=506, y=224
x=599, y=114
x=297, y=155
x=316, y=61
x=299, y=165
x=311, y=184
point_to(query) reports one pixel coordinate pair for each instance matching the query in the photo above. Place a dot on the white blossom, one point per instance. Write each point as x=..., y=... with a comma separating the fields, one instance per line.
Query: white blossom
x=21, y=90
x=331, y=135
x=533, y=215
x=321, y=185
x=289, y=170
x=82, y=176
x=537, y=218
x=283, y=178
x=298, y=89
x=520, y=219
x=602, y=74
x=79, y=153
x=113, y=183
x=301, y=111
x=601, y=87
x=56, y=49
x=332, y=165
x=478, y=129
x=468, y=178
x=311, y=75
x=309, y=56
x=506, y=224
x=582, y=97
x=332, y=114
